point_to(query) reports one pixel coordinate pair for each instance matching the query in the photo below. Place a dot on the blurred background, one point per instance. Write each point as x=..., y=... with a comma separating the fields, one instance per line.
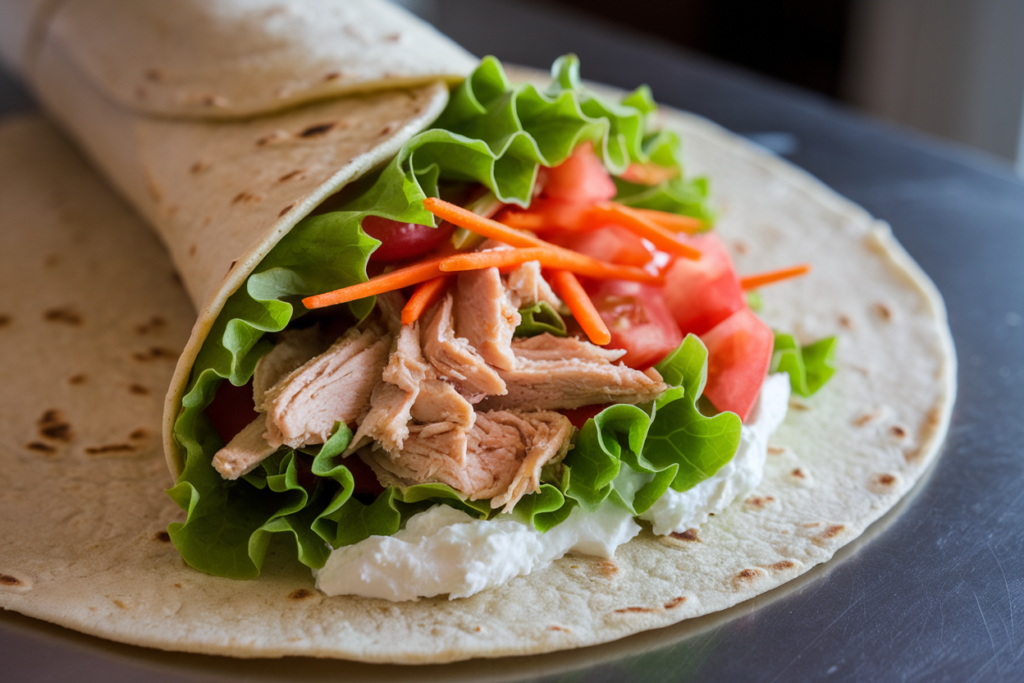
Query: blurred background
x=947, y=68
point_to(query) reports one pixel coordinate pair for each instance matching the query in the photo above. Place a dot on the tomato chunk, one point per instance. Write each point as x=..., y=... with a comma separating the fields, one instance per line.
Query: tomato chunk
x=739, y=353
x=612, y=243
x=702, y=293
x=231, y=410
x=638, y=321
x=581, y=178
x=401, y=241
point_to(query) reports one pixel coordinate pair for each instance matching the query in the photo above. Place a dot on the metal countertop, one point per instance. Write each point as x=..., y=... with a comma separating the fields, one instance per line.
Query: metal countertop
x=934, y=590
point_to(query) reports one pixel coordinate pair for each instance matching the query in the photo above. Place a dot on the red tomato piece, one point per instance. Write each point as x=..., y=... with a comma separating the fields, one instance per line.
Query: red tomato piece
x=702, y=293
x=401, y=241
x=581, y=178
x=231, y=410
x=579, y=416
x=613, y=243
x=638, y=321
x=739, y=353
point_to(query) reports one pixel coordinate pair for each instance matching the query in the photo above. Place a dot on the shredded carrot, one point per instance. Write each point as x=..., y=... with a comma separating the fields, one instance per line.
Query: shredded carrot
x=582, y=264
x=397, y=279
x=524, y=220
x=426, y=295
x=649, y=173
x=572, y=293
x=773, y=276
x=644, y=227
x=672, y=221
x=562, y=259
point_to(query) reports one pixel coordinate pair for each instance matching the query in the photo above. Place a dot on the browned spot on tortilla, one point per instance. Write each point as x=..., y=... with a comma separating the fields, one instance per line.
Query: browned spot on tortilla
x=286, y=209
x=393, y=37
x=245, y=196
x=934, y=417
x=775, y=450
x=553, y=628
x=289, y=176
x=386, y=130
x=798, y=473
x=885, y=479
x=747, y=575
x=138, y=434
x=75, y=380
x=40, y=447
x=51, y=261
x=897, y=431
x=193, y=249
x=52, y=426
x=782, y=566
x=625, y=610
x=883, y=311
x=332, y=76
x=176, y=278
x=688, y=535
x=138, y=389
x=758, y=501
x=607, y=568
x=155, y=353
x=214, y=101
x=155, y=75
x=301, y=594
x=177, y=585
x=120, y=604
x=866, y=417
x=56, y=432
x=796, y=405
x=155, y=323
x=162, y=536
x=110, y=448
x=741, y=247
x=232, y=266
x=199, y=166
x=5, y=320
x=8, y=580
x=810, y=525
x=832, y=531
x=675, y=602
x=317, y=129
x=845, y=322
x=65, y=315
x=273, y=136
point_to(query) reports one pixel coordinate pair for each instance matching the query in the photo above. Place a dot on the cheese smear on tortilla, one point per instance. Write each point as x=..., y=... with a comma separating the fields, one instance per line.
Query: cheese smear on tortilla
x=444, y=551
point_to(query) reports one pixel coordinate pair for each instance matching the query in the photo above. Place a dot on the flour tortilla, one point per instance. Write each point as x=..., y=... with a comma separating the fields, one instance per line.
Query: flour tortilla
x=81, y=538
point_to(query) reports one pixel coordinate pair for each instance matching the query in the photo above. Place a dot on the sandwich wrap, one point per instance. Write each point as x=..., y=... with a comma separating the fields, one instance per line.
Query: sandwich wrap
x=839, y=461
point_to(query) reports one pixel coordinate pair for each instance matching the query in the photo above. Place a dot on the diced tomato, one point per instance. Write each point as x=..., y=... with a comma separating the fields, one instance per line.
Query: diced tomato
x=231, y=410
x=401, y=241
x=579, y=416
x=638, y=321
x=739, y=353
x=581, y=178
x=613, y=243
x=702, y=293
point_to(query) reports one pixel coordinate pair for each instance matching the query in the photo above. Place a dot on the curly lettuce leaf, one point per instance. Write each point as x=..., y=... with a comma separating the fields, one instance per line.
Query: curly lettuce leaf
x=491, y=132
x=539, y=318
x=669, y=441
x=809, y=367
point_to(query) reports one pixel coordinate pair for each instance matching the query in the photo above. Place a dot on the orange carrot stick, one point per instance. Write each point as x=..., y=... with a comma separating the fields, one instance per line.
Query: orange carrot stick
x=562, y=259
x=524, y=220
x=572, y=293
x=397, y=279
x=584, y=265
x=773, y=276
x=426, y=295
x=672, y=221
x=644, y=227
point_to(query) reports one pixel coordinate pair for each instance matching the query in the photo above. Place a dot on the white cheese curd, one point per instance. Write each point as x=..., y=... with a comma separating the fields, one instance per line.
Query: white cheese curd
x=444, y=551
x=676, y=511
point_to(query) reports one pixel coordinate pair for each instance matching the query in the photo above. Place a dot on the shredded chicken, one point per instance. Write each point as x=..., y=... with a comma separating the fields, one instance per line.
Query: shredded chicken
x=245, y=451
x=454, y=358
